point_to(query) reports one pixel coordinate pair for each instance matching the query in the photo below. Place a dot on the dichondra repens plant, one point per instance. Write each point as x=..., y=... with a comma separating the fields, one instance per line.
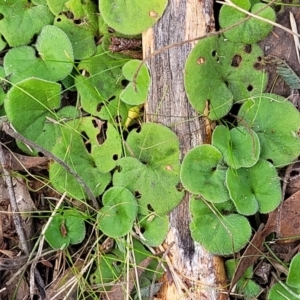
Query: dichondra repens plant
x=135, y=171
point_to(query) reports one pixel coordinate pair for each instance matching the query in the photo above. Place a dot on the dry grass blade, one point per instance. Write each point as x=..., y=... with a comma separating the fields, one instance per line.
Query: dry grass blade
x=296, y=38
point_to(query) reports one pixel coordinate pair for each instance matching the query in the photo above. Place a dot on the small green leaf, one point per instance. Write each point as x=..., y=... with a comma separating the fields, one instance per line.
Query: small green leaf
x=254, y=189
x=54, y=61
x=202, y=173
x=293, y=279
x=240, y=146
x=120, y=209
x=251, y=31
x=131, y=17
x=154, y=229
x=245, y=286
x=109, y=268
x=217, y=229
x=153, y=174
x=278, y=137
x=218, y=73
x=136, y=91
x=20, y=21
x=65, y=228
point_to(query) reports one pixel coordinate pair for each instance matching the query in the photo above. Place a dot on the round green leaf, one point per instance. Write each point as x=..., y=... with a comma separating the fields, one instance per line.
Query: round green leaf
x=154, y=229
x=220, y=232
x=250, y=31
x=131, y=17
x=65, y=228
x=28, y=104
x=278, y=137
x=20, y=21
x=75, y=226
x=254, y=189
x=120, y=209
x=240, y=146
x=152, y=174
x=54, y=236
x=54, y=61
x=136, y=91
x=202, y=173
x=280, y=291
x=218, y=73
x=293, y=276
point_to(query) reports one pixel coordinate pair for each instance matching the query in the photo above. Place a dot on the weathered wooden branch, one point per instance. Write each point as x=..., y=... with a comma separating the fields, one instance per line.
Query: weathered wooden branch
x=167, y=104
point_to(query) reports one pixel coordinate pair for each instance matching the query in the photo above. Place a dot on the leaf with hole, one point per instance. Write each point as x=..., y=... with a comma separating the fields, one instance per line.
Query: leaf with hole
x=54, y=61
x=218, y=228
x=278, y=137
x=239, y=146
x=152, y=173
x=254, y=189
x=65, y=228
x=154, y=229
x=71, y=148
x=101, y=82
x=218, y=73
x=81, y=37
x=250, y=31
x=107, y=154
x=118, y=213
x=202, y=173
x=20, y=21
x=131, y=17
x=136, y=91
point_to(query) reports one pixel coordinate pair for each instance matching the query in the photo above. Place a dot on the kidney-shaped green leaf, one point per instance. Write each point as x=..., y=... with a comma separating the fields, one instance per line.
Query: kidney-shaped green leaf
x=202, y=173
x=28, y=104
x=65, y=228
x=153, y=173
x=154, y=229
x=20, y=21
x=120, y=209
x=240, y=146
x=217, y=229
x=218, y=73
x=293, y=276
x=278, y=136
x=250, y=31
x=54, y=61
x=254, y=189
x=136, y=91
x=131, y=17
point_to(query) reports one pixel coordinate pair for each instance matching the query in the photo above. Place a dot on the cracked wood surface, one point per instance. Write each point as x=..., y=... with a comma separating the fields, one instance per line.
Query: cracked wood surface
x=167, y=104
